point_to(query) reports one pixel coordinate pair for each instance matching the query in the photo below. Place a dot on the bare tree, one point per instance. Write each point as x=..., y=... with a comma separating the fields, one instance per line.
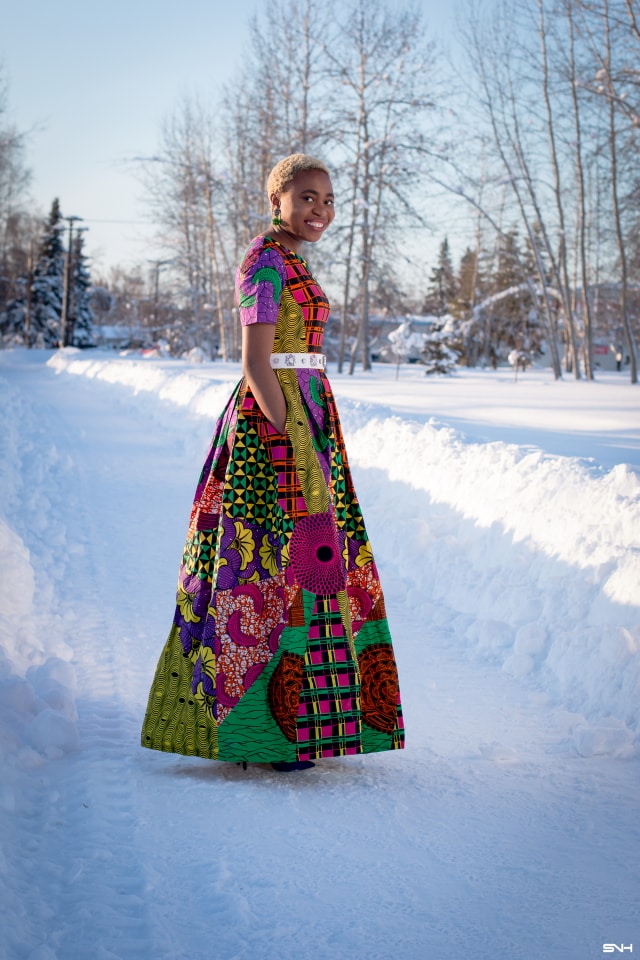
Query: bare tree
x=581, y=223
x=289, y=65
x=275, y=107
x=380, y=65
x=562, y=269
x=615, y=186
x=502, y=100
x=611, y=29
x=186, y=194
x=17, y=228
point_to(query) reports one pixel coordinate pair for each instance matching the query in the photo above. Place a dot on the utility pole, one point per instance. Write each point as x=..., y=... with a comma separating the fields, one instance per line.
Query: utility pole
x=66, y=293
x=158, y=265
x=27, y=307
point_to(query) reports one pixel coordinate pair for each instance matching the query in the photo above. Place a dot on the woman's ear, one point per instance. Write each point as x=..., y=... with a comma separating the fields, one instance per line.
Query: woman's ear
x=274, y=199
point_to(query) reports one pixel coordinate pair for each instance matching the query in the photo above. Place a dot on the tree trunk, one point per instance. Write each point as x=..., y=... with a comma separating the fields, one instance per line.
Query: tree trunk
x=582, y=215
x=349, y=253
x=617, y=216
x=563, y=272
x=215, y=265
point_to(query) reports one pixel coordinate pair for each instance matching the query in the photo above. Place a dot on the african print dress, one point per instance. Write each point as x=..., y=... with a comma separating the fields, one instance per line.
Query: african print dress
x=280, y=648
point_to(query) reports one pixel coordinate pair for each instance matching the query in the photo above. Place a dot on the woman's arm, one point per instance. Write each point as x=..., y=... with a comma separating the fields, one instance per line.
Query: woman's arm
x=257, y=345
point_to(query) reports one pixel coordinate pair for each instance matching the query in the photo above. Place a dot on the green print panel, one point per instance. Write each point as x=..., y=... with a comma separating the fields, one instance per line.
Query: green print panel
x=268, y=275
x=374, y=631
x=200, y=553
x=251, y=486
x=174, y=721
x=348, y=514
x=373, y=741
x=250, y=732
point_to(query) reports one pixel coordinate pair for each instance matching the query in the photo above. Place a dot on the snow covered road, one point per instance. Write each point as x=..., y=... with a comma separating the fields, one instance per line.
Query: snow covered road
x=509, y=826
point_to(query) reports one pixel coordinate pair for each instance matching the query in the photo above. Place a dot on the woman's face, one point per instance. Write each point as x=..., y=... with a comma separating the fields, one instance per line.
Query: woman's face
x=306, y=207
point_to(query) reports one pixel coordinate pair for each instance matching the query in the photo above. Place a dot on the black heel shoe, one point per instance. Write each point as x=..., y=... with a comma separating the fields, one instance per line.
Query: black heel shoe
x=284, y=766
x=243, y=764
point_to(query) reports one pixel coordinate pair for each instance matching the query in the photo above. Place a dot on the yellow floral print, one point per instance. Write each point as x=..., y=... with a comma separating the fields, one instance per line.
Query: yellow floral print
x=244, y=543
x=208, y=661
x=254, y=578
x=205, y=700
x=365, y=555
x=269, y=556
x=185, y=605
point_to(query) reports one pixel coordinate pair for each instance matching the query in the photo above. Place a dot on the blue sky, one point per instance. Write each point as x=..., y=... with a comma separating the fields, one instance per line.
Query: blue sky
x=93, y=81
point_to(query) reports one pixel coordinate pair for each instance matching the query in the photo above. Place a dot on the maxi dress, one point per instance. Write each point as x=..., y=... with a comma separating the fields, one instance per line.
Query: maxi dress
x=280, y=647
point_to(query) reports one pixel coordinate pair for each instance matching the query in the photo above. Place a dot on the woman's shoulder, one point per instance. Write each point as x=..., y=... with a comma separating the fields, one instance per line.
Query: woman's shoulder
x=263, y=247
x=262, y=252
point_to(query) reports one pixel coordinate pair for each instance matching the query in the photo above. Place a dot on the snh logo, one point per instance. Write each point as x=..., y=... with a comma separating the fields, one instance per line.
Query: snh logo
x=617, y=948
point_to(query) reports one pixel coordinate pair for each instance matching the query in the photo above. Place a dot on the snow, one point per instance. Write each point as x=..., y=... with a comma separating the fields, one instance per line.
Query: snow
x=508, y=828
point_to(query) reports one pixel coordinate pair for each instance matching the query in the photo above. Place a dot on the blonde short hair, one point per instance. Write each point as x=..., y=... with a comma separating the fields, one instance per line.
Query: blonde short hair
x=285, y=170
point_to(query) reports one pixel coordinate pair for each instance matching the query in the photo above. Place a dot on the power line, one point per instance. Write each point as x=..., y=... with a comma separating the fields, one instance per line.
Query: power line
x=140, y=223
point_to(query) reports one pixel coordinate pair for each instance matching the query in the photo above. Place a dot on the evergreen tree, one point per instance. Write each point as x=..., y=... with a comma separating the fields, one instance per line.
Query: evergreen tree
x=510, y=316
x=470, y=287
x=470, y=284
x=443, y=287
x=80, y=327
x=48, y=283
x=12, y=322
x=438, y=353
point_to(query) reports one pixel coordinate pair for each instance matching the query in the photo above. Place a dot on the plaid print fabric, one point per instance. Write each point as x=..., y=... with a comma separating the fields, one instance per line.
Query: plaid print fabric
x=310, y=297
x=329, y=723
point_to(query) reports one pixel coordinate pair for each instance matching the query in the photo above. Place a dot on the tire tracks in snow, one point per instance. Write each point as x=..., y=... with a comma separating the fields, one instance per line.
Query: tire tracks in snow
x=83, y=861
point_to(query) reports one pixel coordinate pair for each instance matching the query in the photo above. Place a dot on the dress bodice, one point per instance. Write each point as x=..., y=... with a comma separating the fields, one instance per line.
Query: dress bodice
x=270, y=280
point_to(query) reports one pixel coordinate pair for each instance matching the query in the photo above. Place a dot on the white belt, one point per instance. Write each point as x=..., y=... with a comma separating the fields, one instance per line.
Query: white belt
x=315, y=361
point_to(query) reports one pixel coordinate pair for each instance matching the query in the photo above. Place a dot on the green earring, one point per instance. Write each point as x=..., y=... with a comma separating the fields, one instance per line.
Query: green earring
x=275, y=220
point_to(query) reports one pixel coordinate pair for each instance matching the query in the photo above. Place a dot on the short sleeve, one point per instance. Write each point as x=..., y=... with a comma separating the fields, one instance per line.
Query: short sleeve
x=259, y=282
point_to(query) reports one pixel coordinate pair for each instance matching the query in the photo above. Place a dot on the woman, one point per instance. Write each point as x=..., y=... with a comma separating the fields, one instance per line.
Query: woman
x=280, y=650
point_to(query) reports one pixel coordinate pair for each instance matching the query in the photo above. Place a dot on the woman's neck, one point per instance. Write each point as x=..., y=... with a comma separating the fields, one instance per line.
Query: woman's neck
x=286, y=239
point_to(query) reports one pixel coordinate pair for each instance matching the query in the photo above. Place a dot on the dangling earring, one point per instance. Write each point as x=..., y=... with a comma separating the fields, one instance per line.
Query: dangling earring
x=275, y=219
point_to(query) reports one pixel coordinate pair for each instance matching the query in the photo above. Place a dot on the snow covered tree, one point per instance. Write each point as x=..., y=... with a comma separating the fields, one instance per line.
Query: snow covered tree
x=48, y=283
x=519, y=360
x=405, y=343
x=80, y=327
x=437, y=353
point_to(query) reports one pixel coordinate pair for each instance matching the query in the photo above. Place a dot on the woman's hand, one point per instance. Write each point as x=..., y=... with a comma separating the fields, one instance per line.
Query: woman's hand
x=257, y=346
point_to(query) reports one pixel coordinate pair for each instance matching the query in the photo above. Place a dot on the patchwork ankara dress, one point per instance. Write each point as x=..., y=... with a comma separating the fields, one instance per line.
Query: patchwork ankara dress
x=280, y=648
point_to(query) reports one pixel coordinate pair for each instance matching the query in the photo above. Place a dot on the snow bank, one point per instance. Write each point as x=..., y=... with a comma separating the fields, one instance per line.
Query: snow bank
x=198, y=388
x=37, y=707
x=531, y=561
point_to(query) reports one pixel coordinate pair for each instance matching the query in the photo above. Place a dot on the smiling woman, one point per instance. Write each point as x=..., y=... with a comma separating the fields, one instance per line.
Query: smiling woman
x=280, y=650
x=301, y=197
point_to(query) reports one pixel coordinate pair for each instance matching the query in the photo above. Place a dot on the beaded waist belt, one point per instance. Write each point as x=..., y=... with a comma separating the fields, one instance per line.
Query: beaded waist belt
x=305, y=361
